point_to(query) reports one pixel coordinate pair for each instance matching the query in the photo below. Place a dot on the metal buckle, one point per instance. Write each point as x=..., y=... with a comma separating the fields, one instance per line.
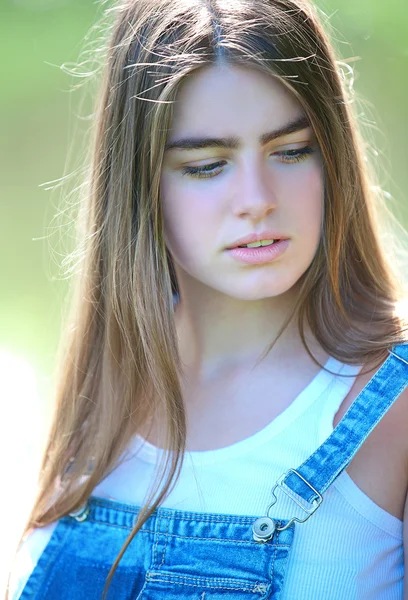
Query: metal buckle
x=315, y=504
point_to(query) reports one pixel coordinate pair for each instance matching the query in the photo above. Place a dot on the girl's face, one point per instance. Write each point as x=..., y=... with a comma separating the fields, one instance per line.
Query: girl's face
x=215, y=193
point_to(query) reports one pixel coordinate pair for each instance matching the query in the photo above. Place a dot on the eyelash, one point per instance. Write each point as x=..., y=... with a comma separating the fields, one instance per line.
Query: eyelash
x=206, y=171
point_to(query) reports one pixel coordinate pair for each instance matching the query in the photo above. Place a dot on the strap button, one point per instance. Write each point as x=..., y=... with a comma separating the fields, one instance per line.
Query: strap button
x=81, y=513
x=263, y=529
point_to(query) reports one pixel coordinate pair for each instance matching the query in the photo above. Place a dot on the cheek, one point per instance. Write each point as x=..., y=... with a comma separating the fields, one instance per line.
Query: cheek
x=186, y=219
x=192, y=216
x=171, y=212
x=305, y=194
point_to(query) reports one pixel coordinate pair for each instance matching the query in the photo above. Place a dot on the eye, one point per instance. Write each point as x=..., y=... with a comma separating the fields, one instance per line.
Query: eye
x=291, y=156
x=213, y=169
x=205, y=171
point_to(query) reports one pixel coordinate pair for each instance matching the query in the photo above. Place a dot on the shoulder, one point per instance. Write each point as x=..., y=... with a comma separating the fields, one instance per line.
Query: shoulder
x=400, y=410
x=395, y=424
x=391, y=431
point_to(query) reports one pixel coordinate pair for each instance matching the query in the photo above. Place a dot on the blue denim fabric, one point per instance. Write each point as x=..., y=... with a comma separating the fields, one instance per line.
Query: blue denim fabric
x=176, y=555
x=200, y=556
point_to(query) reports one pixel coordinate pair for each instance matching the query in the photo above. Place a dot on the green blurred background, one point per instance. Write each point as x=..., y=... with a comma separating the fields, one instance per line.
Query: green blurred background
x=39, y=108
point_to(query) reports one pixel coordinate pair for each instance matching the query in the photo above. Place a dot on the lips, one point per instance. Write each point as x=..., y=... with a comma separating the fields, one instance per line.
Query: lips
x=257, y=237
x=263, y=255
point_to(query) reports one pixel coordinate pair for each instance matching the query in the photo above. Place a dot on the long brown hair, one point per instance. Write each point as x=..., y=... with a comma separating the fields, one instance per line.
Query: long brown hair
x=120, y=363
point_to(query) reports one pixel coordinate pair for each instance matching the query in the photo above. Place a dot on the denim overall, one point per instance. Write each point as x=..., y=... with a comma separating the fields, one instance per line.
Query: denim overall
x=199, y=556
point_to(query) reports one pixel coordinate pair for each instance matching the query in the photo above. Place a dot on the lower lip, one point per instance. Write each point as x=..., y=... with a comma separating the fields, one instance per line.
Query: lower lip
x=260, y=255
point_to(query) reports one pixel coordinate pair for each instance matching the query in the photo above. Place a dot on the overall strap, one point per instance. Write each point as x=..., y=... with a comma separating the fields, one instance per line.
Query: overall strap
x=336, y=452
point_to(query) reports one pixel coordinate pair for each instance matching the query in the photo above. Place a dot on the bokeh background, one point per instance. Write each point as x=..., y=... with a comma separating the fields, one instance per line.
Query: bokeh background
x=43, y=125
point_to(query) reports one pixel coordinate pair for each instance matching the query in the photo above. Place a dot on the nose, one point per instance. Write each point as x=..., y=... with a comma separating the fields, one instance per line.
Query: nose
x=254, y=196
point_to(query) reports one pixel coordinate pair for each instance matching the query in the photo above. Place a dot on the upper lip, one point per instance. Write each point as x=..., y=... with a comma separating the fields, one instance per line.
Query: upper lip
x=257, y=237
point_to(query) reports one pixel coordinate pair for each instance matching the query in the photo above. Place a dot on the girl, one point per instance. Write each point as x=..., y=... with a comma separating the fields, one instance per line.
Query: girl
x=232, y=406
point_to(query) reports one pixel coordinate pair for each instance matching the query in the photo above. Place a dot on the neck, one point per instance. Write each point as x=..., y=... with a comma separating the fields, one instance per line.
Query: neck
x=219, y=334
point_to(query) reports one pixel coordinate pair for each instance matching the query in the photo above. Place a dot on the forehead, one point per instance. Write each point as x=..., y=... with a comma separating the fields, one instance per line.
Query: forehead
x=232, y=100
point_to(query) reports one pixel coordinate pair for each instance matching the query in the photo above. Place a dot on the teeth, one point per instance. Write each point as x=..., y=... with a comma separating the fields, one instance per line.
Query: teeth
x=260, y=243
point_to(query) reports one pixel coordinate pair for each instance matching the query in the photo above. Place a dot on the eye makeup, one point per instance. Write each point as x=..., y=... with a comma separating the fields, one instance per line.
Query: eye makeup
x=213, y=169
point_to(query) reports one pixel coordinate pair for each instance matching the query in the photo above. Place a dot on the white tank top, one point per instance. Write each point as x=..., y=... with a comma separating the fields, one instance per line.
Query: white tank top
x=350, y=548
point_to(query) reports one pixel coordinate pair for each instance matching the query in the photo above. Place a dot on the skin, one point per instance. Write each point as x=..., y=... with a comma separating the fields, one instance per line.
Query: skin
x=224, y=301
x=229, y=312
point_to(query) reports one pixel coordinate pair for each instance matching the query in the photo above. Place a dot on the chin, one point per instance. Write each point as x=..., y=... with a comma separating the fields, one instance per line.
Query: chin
x=261, y=292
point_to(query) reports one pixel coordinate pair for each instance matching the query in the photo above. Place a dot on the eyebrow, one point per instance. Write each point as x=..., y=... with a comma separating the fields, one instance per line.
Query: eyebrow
x=233, y=143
